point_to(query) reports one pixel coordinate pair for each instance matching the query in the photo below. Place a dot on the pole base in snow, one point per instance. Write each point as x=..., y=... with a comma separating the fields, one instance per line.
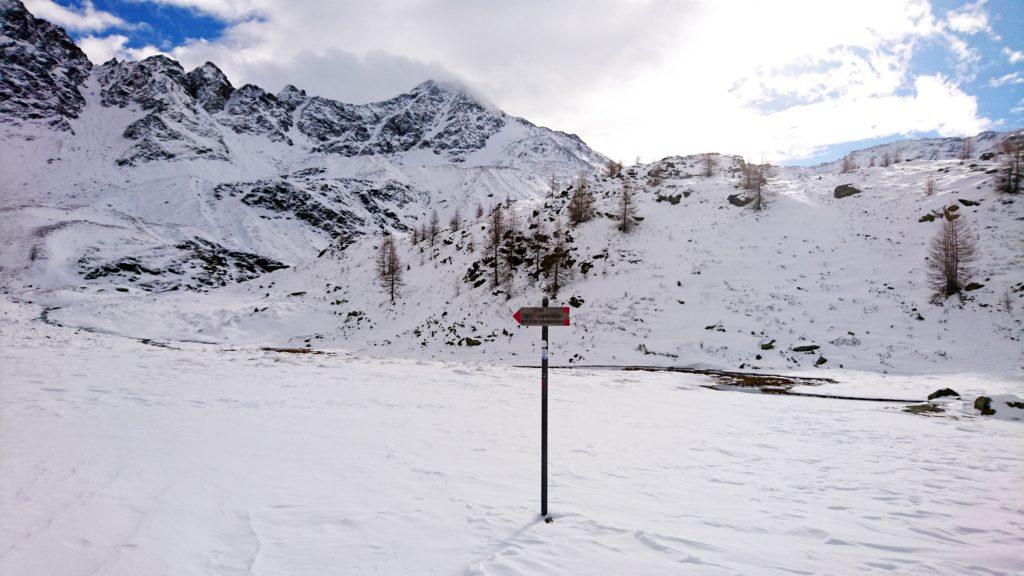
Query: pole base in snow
x=548, y=519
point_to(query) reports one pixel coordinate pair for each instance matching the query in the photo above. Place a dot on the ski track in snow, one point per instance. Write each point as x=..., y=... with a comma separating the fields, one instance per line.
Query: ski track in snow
x=122, y=458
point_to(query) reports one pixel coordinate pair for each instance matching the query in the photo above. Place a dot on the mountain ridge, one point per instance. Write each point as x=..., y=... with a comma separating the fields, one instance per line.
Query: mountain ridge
x=149, y=148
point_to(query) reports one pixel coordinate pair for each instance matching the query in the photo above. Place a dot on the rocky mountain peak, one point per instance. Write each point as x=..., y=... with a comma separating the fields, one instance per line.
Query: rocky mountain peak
x=41, y=69
x=291, y=96
x=155, y=83
x=191, y=115
x=209, y=86
x=253, y=110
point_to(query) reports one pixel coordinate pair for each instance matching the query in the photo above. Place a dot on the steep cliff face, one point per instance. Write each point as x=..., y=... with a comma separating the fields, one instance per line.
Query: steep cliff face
x=42, y=70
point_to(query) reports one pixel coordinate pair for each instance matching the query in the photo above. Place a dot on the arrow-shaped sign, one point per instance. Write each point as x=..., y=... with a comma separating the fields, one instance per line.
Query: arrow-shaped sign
x=542, y=316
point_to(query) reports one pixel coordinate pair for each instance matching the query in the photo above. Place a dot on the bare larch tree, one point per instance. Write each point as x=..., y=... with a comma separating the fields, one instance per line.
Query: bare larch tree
x=495, y=232
x=434, y=227
x=556, y=262
x=456, y=220
x=1013, y=163
x=627, y=209
x=581, y=204
x=708, y=161
x=848, y=164
x=966, y=148
x=951, y=255
x=389, y=267
x=760, y=181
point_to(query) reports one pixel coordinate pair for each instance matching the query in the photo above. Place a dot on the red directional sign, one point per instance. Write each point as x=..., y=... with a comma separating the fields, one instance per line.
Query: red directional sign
x=542, y=316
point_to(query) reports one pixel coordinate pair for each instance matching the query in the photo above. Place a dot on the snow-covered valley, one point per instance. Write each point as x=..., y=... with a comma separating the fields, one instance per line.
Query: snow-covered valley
x=126, y=458
x=206, y=369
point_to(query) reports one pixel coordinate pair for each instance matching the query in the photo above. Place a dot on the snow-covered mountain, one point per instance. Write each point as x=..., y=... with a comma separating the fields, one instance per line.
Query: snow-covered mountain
x=165, y=177
x=150, y=201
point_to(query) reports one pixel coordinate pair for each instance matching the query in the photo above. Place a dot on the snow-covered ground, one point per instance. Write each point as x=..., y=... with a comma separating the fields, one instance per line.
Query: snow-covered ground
x=123, y=458
x=700, y=282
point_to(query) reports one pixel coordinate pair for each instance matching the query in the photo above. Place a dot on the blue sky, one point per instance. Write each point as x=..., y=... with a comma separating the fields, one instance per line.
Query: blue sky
x=1006, y=19
x=800, y=82
x=164, y=26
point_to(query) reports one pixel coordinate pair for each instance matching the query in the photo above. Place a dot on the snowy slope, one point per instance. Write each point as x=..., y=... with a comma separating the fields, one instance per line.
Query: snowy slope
x=700, y=282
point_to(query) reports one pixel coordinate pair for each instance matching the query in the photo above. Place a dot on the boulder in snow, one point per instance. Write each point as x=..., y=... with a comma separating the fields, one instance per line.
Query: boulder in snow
x=943, y=392
x=844, y=190
x=983, y=404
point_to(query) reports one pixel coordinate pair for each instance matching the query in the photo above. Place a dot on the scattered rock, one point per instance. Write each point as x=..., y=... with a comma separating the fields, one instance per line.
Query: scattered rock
x=844, y=190
x=821, y=360
x=973, y=286
x=984, y=405
x=739, y=200
x=926, y=408
x=768, y=345
x=806, y=348
x=1019, y=405
x=575, y=302
x=968, y=202
x=943, y=392
x=927, y=218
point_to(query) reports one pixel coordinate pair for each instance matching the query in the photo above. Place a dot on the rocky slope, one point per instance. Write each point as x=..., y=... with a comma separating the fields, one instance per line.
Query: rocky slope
x=125, y=165
x=42, y=70
x=812, y=282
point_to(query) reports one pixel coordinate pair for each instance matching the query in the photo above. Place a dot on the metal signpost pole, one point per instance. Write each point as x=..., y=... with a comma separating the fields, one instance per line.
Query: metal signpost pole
x=544, y=418
x=544, y=316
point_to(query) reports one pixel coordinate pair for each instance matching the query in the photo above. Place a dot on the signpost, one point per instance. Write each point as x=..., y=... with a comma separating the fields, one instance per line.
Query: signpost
x=544, y=316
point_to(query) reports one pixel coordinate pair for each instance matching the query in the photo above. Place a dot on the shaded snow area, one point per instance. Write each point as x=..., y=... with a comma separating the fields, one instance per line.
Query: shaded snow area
x=123, y=458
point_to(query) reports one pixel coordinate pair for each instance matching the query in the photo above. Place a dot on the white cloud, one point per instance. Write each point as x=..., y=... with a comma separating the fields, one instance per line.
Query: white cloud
x=1014, y=56
x=1011, y=78
x=85, y=19
x=1019, y=108
x=647, y=77
x=969, y=19
x=99, y=49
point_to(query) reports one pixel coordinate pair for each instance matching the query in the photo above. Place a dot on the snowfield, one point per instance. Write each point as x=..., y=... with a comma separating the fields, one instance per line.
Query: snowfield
x=124, y=458
x=201, y=373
